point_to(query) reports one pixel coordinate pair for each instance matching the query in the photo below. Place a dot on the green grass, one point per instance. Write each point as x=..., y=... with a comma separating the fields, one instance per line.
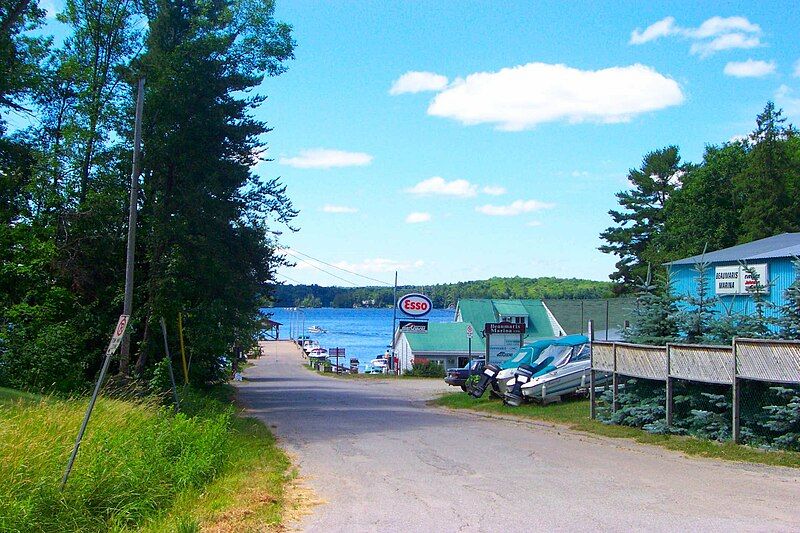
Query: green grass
x=575, y=415
x=12, y=394
x=139, y=466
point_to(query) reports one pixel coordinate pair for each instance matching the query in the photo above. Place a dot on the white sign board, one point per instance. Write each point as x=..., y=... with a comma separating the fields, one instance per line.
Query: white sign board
x=470, y=331
x=730, y=280
x=119, y=331
x=502, y=346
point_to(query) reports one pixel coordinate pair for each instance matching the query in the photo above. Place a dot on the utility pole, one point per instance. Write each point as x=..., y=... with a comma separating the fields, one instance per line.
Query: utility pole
x=125, y=350
x=394, y=321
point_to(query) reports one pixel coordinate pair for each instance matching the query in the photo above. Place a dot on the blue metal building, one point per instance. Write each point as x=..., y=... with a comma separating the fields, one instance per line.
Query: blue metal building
x=726, y=279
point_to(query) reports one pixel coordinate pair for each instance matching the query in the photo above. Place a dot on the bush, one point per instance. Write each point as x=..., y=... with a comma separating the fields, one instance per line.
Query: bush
x=428, y=369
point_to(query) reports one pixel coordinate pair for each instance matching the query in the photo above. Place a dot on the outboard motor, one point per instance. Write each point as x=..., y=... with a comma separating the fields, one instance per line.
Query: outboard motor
x=513, y=395
x=489, y=374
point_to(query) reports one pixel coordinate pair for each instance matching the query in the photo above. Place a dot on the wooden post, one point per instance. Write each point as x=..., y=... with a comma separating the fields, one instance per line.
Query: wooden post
x=127, y=303
x=592, y=399
x=669, y=401
x=735, y=429
x=183, y=350
x=614, y=383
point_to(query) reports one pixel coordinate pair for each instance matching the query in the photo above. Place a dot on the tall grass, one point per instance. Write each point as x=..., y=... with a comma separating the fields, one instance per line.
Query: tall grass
x=135, y=459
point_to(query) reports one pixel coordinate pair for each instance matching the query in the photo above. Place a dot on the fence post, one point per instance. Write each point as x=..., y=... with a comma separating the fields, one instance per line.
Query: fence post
x=614, y=382
x=669, y=390
x=592, y=399
x=735, y=429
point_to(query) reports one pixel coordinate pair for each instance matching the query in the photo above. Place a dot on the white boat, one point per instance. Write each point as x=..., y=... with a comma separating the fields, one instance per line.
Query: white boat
x=377, y=366
x=316, y=329
x=309, y=345
x=549, y=358
x=570, y=375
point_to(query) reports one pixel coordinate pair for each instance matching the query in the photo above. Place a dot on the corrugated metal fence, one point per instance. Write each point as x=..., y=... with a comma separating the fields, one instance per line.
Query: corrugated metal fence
x=747, y=359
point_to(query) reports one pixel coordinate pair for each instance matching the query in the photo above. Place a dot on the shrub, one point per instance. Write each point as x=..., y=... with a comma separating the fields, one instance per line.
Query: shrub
x=429, y=369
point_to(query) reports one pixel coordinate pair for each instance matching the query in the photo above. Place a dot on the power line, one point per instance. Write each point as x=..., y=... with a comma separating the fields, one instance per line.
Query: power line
x=323, y=270
x=337, y=267
x=288, y=278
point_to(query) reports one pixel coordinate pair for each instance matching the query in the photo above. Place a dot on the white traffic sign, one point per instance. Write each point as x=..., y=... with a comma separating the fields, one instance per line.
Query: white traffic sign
x=119, y=331
x=470, y=331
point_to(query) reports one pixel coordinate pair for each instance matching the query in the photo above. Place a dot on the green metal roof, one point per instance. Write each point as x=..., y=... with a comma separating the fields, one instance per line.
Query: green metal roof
x=445, y=337
x=482, y=311
x=510, y=307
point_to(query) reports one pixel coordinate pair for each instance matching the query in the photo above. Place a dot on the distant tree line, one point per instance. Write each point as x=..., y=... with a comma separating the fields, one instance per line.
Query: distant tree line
x=66, y=129
x=443, y=295
x=743, y=190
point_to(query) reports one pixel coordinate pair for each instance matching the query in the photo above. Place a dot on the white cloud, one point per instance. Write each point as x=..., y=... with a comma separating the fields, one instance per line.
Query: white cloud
x=713, y=35
x=738, y=139
x=515, y=208
x=325, y=158
x=750, y=68
x=338, y=209
x=415, y=82
x=439, y=186
x=494, y=190
x=416, y=218
x=725, y=42
x=797, y=69
x=534, y=224
x=662, y=28
x=722, y=25
x=521, y=97
x=786, y=99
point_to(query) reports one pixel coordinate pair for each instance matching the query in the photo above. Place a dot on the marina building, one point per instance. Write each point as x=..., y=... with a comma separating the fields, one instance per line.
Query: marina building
x=726, y=275
x=448, y=343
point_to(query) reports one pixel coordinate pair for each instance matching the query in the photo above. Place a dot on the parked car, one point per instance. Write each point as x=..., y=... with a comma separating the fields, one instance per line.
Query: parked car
x=457, y=377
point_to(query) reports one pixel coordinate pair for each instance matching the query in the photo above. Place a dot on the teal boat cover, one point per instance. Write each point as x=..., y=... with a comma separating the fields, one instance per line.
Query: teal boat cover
x=530, y=353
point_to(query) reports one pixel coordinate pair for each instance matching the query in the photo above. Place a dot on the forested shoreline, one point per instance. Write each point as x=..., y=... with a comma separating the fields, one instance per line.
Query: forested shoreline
x=443, y=295
x=204, y=245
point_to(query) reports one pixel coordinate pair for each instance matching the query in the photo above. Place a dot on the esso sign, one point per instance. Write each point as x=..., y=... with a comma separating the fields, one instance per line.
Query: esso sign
x=415, y=305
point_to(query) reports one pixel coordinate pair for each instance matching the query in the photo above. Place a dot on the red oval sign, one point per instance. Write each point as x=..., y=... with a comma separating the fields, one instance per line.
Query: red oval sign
x=415, y=305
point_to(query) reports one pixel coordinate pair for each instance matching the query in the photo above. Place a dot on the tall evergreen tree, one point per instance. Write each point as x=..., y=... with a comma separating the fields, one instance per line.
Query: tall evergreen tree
x=642, y=215
x=206, y=217
x=769, y=203
x=656, y=319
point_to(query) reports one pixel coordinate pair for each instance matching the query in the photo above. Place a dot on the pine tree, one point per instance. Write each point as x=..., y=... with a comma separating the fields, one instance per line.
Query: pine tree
x=642, y=215
x=697, y=317
x=656, y=312
x=789, y=320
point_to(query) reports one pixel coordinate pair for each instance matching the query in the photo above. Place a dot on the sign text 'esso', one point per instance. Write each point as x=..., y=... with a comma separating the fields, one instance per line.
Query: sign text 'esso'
x=415, y=305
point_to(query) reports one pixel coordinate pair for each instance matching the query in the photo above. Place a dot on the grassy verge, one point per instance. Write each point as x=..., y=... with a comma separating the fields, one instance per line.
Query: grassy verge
x=140, y=467
x=575, y=415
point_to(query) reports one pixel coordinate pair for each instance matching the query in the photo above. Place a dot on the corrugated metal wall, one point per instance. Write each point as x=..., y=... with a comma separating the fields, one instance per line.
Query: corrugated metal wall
x=781, y=275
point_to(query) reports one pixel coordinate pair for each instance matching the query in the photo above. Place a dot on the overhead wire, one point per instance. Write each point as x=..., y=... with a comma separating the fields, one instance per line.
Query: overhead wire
x=336, y=267
x=323, y=270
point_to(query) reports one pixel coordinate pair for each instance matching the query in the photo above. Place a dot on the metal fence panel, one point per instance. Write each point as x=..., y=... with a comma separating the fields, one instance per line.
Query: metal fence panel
x=648, y=362
x=603, y=356
x=766, y=360
x=696, y=362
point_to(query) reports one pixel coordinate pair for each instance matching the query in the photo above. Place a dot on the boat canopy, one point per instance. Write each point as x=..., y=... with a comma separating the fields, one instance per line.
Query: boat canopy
x=556, y=348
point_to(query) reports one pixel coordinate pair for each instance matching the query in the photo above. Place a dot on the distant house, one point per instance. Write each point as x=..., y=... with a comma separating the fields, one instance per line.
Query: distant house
x=726, y=278
x=447, y=343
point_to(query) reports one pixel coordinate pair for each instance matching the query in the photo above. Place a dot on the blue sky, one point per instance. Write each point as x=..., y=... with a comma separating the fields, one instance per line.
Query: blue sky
x=456, y=141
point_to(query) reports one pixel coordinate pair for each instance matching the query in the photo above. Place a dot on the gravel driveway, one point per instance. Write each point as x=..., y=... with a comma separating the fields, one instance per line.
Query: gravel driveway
x=384, y=461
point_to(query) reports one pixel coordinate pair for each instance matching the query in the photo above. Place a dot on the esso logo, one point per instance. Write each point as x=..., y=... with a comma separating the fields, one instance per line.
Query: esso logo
x=415, y=305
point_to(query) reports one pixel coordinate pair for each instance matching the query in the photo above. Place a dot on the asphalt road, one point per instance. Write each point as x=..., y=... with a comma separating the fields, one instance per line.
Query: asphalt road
x=383, y=461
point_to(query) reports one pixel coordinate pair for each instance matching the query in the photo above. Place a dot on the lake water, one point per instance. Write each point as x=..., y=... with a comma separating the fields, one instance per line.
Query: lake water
x=364, y=333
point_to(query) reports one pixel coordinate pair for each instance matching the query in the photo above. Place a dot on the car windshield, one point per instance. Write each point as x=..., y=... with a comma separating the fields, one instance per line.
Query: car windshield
x=475, y=364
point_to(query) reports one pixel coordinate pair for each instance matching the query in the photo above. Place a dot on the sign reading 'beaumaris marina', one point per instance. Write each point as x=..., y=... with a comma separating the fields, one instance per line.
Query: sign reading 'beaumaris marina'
x=736, y=280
